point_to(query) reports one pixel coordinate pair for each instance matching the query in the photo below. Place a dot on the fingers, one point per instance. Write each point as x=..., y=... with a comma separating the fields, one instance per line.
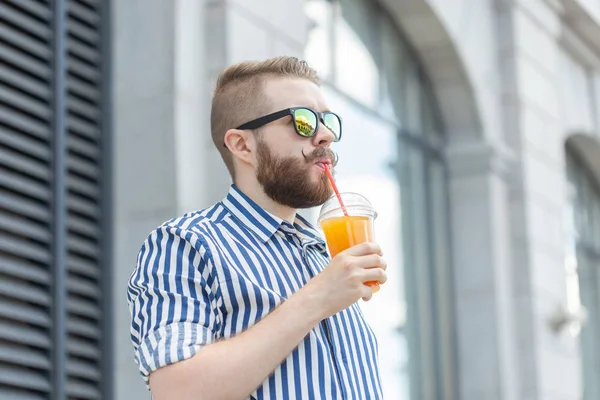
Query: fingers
x=367, y=293
x=374, y=274
x=364, y=249
x=371, y=261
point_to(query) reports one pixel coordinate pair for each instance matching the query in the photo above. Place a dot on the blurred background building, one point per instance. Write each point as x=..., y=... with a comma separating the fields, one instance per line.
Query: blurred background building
x=473, y=126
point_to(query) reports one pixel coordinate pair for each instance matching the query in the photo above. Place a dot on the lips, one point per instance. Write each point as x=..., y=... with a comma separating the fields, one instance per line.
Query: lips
x=321, y=162
x=322, y=156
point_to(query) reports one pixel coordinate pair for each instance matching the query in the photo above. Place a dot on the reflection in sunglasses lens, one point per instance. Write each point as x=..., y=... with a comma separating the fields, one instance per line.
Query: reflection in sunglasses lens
x=305, y=121
x=333, y=124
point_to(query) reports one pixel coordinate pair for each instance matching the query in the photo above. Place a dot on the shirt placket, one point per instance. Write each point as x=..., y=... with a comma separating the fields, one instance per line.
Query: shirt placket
x=337, y=353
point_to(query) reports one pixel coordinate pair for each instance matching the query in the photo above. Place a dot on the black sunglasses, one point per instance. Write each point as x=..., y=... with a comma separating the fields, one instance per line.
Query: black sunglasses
x=306, y=121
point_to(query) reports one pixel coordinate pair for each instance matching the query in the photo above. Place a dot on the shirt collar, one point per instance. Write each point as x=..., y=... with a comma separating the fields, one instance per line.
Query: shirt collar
x=307, y=232
x=264, y=224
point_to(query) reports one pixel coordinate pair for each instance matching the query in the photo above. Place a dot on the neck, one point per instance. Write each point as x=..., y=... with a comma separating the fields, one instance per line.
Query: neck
x=254, y=191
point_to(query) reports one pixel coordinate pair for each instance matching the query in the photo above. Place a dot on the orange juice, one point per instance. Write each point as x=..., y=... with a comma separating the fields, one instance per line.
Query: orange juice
x=344, y=232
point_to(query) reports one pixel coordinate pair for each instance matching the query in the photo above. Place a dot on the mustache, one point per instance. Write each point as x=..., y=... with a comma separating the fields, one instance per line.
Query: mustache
x=322, y=152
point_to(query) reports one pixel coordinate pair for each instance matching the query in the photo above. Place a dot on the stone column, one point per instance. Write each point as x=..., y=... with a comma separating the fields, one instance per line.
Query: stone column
x=161, y=104
x=482, y=270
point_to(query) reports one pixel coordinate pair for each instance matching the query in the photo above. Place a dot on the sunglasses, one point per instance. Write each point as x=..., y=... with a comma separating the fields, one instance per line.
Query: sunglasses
x=306, y=121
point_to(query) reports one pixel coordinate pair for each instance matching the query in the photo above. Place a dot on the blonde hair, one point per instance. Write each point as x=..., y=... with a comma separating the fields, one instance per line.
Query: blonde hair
x=238, y=96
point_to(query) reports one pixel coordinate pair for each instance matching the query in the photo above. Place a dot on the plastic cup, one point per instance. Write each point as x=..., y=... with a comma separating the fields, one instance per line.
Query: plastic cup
x=344, y=231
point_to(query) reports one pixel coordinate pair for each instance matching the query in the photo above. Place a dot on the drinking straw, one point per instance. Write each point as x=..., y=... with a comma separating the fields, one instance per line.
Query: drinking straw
x=335, y=189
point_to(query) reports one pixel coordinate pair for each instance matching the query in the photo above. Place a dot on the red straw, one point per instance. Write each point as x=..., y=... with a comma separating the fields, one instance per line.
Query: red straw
x=335, y=189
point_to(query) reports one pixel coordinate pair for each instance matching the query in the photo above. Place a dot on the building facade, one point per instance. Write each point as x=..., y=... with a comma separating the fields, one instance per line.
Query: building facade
x=473, y=126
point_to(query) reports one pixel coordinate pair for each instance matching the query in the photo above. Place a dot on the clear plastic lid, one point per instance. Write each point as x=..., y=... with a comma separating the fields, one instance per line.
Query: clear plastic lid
x=356, y=205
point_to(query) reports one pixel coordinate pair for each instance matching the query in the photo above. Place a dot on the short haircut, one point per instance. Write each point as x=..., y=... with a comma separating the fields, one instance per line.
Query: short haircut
x=239, y=98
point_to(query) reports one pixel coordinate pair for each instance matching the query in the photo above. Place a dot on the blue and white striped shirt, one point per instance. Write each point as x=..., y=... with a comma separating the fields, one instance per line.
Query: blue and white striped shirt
x=214, y=273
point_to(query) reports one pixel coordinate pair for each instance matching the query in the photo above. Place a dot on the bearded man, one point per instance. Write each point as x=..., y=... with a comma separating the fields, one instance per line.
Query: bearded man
x=241, y=300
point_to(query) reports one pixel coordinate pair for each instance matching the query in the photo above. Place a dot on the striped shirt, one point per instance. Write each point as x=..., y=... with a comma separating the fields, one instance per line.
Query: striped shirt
x=214, y=273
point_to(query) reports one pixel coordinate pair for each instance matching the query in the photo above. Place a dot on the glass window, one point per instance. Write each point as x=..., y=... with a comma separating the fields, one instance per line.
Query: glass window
x=587, y=207
x=413, y=93
x=378, y=87
x=418, y=252
x=589, y=266
x=367, y=166
x=595, y=219
x=585, y=204
x=596, y=99
x=442, y=273
x=356, y=72
x=432, y=126
x=392, y=63
x=318, y=47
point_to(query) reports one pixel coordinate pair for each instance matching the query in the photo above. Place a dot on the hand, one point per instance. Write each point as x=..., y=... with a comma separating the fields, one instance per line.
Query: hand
x=342, y=282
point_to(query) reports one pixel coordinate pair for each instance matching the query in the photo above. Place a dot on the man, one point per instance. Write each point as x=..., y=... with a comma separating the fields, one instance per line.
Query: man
x=241, y=300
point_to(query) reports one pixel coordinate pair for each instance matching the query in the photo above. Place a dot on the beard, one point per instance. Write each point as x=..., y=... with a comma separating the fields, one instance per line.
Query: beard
x=287, y=180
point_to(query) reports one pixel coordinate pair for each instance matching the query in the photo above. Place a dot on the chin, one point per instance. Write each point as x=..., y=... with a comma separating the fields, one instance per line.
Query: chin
x=318, y=173
x=317, y=183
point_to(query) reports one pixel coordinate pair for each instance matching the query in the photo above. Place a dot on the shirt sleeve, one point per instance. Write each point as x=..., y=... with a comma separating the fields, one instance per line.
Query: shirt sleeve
x=172, y=306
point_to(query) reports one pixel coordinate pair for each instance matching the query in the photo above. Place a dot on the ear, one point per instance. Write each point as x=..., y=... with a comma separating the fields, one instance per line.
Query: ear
x=241, y=144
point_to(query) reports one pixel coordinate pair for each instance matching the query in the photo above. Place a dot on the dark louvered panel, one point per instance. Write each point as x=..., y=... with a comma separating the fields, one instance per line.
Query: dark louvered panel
x=83, y=90
x=22, y=268
x=84, y=186
x=25, y=198
x=25, y=357
x=24, y=165
x=82, y=145
x=83, y=206
x=81, y=348
x=13, y=378
x=25, y=227
x=83, y=376
x=16, y=311
x=85, y=227
x=30, y=19
x=79, y=389
x=26, y=185
x=13, y=120
x=16, y=141
x=19, y=395
x=24, y=342
x=25, y=291
x=83, y=266
x=23, y=248
x=27, y=104
x=84, y=338
x=84, y=307
x=15, y=77
x=83, y=113
x=24, y=62
x=24, y=334
x=15, y=203
x=25, y=66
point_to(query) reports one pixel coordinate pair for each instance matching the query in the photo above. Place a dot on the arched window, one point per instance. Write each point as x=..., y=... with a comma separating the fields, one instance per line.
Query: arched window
x=391, y=153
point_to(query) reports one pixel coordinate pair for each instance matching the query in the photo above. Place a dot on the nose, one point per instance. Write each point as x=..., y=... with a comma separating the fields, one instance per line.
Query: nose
x=324, y=136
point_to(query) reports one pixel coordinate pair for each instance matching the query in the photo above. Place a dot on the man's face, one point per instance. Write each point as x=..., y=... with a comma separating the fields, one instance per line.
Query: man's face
x=291, y=167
